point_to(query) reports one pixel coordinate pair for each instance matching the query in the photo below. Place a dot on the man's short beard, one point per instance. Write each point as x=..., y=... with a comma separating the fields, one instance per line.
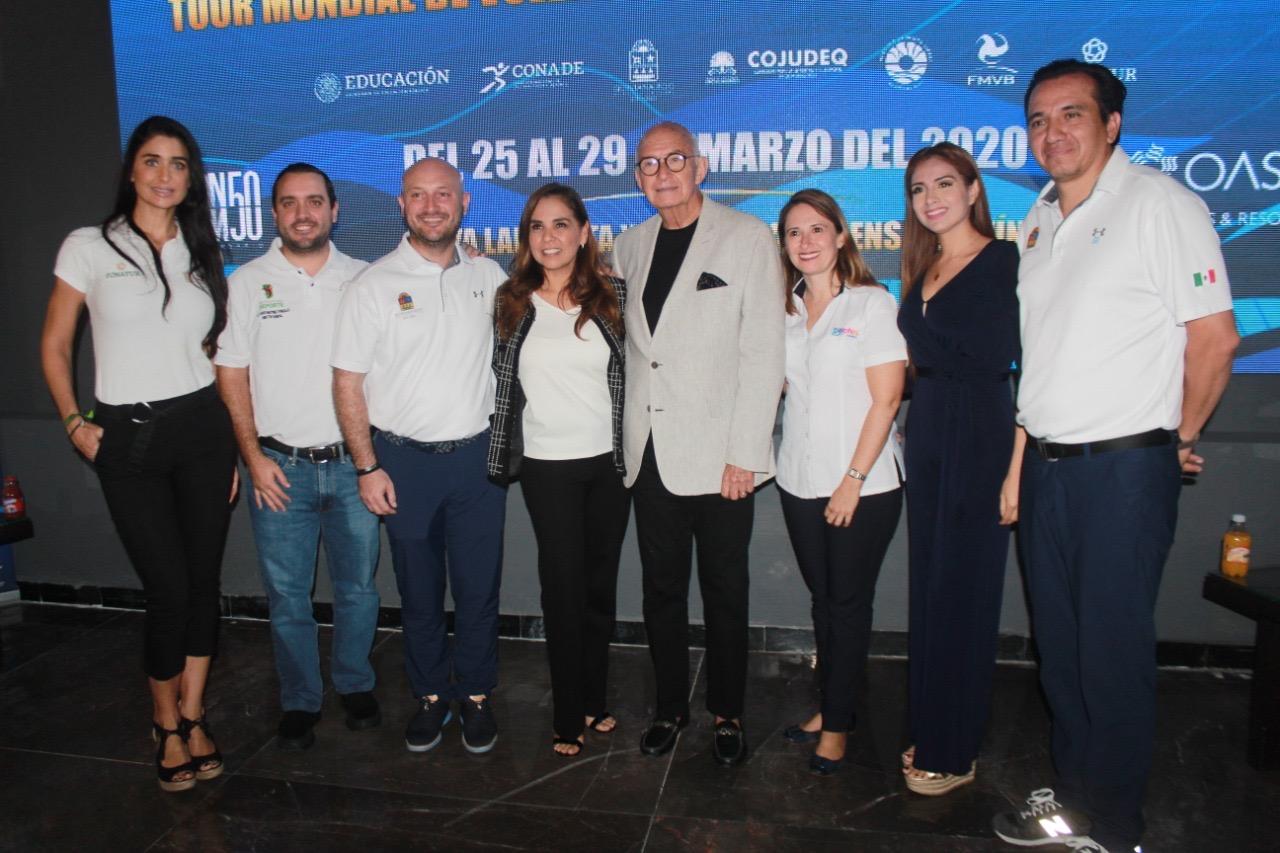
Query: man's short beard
x=317, y=245
x=443, y=243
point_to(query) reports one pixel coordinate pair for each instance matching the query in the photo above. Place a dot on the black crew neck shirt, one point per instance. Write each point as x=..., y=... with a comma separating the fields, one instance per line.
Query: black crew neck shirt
x=668, y=255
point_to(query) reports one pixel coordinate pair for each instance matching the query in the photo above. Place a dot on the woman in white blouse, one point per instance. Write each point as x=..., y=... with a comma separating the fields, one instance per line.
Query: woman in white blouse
x=558, y=360
x=159, y=437
x=839, y=472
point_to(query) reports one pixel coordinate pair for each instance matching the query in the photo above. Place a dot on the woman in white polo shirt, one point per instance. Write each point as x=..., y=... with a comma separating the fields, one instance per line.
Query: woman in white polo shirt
x=559, y=365
x=151, y=277
x=839, y=473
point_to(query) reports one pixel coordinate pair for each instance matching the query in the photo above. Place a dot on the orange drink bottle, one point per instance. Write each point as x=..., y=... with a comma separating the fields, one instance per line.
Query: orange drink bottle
x=1236, y=543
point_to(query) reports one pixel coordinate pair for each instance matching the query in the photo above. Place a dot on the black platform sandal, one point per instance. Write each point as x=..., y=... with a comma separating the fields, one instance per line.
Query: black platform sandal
x=168, y=776
x=567, y=741
x=209, y=765
x=604, y=717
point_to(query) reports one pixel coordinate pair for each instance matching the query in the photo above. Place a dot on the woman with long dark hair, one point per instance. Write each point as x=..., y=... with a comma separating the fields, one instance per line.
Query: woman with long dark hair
x=838, y=472
x=559, y=364
x=152, y=279
x=960, y=318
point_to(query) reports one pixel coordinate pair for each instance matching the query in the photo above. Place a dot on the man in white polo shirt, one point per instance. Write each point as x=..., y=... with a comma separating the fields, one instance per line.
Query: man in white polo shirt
x=1127, y=343
x=412, y=358
x=273, y=374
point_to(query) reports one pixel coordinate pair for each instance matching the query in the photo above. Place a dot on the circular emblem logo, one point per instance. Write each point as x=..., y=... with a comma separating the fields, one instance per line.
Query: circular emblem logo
x=328, y=88
x=906, y=61
x=1094, y=50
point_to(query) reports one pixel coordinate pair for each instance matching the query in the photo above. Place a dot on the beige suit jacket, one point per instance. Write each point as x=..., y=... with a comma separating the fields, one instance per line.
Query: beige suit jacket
x=706, y=383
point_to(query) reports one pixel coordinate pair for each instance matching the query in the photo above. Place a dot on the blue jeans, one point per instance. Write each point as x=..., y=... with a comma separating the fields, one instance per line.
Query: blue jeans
x=324, y=501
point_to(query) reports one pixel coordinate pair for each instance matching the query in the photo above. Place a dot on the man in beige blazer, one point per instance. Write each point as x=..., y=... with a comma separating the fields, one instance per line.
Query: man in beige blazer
x=704, y=374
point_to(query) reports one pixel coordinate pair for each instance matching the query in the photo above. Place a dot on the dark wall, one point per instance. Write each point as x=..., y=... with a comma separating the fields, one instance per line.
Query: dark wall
x=59, y=155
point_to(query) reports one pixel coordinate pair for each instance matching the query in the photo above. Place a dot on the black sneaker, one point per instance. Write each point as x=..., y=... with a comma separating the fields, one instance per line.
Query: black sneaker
x=423, y=732
x=479, y=728
x=729, y=747
x=294, y=731
x=362, y=710
x=1044, y=821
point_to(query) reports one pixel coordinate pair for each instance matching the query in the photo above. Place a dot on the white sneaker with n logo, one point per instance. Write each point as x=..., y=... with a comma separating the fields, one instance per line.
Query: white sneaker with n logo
x=1045, y=821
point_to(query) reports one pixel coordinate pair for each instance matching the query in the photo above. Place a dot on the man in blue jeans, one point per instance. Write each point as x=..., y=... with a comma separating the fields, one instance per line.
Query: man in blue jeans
x=273, y=374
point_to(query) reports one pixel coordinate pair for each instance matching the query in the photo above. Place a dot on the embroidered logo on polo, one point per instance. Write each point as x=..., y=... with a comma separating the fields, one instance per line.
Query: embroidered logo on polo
x=124, y=270
x=270, y=308
x=405, y=301
x=1098, y=234
x=1201, y=279
x=1033, y=237
x=844, y=332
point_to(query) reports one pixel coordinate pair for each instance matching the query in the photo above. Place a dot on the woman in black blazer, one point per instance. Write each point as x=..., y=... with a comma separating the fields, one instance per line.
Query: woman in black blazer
x=558, y=359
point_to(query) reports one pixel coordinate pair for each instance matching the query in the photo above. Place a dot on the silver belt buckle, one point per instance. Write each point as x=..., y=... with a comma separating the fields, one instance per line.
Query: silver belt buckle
x=147, y=410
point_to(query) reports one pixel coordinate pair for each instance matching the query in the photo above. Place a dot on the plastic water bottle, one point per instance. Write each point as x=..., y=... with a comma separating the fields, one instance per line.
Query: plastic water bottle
x=1236, y=543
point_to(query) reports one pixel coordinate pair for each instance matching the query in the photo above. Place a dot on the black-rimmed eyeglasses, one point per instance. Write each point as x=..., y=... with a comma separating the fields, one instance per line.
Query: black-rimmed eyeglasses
x=675, y=162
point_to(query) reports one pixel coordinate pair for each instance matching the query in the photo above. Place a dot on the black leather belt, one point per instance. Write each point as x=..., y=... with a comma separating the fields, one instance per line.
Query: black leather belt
x=1151, y=438
x=328, y=453
x=142, y=413
x=935, y=373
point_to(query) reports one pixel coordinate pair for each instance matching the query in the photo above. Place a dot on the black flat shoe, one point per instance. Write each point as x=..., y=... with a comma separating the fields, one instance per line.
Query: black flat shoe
x=730, y=744
x=824, y=766
x=362, y=710
x=209, y=765
x=172, y=779
x=295, y=730
x=796, y=734
x=661, y=736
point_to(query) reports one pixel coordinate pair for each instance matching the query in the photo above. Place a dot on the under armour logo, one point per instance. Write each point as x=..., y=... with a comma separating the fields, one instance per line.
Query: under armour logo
x=1099, y=233
x=478, y=294
x=497, y=84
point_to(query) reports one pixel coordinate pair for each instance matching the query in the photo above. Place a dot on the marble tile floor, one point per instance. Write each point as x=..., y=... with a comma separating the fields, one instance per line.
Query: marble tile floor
x=75, y=762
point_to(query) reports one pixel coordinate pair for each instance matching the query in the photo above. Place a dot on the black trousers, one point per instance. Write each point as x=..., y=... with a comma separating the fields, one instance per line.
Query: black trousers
x=579, y=511
x=167, y=485
x=668, y=527
x=840, y=565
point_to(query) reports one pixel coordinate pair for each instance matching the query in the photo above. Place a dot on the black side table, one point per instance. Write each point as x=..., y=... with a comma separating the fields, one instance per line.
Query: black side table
x=1257, y=596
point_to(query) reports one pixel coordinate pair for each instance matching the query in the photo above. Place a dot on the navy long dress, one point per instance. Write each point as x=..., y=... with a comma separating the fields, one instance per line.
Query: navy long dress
x=959, y=439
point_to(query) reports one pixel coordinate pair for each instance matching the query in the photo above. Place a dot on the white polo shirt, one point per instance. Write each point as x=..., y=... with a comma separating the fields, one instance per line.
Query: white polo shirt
x=280, y=325
x=1104, y=297
x=423, y=336
x=828, y=397
x=140, y=354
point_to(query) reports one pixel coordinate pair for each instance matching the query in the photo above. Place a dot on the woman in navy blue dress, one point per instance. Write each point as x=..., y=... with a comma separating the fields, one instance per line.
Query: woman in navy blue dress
x=959, y=315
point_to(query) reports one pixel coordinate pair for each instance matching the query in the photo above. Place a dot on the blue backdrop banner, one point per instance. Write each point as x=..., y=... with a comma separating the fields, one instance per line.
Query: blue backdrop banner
x=781, y=96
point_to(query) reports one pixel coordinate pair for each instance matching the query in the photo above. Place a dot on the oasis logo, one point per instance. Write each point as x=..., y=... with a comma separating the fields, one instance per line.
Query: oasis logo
x=798, y=61
x=1211, y=171
x=544, y=74
x=329, y=87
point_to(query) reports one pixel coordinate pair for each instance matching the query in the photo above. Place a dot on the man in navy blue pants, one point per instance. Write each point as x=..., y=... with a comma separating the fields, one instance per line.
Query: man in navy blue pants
x=411, y=358
x=1127, y=341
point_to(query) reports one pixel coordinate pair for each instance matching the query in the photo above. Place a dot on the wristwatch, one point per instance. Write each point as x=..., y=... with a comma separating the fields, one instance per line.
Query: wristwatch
x=856, y=474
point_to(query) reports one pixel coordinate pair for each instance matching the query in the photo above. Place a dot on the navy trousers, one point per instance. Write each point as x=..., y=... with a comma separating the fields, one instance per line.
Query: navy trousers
x=1095, y=531
x=447, y=526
